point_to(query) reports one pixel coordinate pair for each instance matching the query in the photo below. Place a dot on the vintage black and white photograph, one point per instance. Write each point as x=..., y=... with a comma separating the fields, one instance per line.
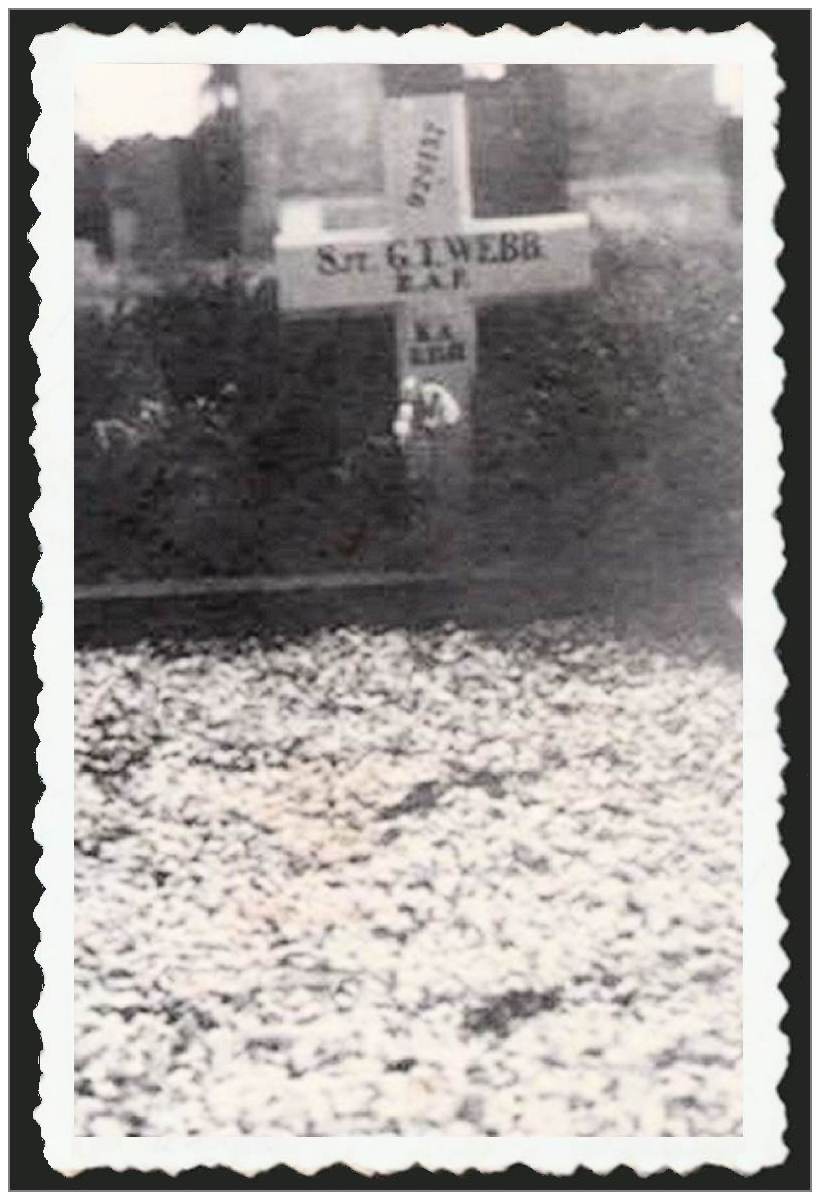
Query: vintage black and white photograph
x=408, y=418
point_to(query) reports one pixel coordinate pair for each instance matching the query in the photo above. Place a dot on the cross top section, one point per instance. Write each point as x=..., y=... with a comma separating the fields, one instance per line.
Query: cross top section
x=435, y=261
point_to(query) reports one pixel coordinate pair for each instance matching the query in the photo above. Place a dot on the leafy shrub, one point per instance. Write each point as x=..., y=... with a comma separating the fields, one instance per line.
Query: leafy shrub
x=206, y=437
x=241, y=443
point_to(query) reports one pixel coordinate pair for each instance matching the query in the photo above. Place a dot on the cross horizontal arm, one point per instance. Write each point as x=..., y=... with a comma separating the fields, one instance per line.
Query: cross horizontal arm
x=482, y=259
x=528, y=256
x=347, y=270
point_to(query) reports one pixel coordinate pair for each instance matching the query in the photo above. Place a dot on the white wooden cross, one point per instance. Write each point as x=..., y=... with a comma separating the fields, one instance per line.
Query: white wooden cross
x=436, y=261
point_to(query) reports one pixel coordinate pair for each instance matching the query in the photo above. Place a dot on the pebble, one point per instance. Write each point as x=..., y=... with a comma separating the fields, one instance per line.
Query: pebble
x=322, y=885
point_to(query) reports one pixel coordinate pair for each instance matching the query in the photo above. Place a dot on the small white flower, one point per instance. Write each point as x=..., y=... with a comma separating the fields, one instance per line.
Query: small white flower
x=426, y=404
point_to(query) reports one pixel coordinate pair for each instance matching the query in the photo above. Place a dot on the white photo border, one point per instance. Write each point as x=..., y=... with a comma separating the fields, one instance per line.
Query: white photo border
x=58, y=55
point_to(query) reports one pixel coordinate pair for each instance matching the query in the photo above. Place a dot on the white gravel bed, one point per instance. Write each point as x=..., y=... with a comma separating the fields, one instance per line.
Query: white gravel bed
x=409, y=883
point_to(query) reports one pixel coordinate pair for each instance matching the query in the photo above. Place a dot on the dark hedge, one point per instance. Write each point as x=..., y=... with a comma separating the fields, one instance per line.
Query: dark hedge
x=249, y=444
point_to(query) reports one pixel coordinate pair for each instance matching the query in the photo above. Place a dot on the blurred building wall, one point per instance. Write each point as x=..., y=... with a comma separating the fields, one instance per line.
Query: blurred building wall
x=315, y=131
x=627, y=120
x=143, y=179
x=311, y=130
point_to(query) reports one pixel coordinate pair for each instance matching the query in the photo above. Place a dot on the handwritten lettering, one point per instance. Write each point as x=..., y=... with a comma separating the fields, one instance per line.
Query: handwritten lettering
x=434, y=263
x=424, y=332
x=436, y=253
x=426, y=264
x=434, y=355
x=330, y=260
x=428, y=155
x=452, y=279
x=435, y=344
x=458, y=248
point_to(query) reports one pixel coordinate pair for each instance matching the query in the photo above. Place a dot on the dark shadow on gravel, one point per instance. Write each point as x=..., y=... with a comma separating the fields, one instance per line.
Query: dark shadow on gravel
x=420, y=799
x=501, y=1013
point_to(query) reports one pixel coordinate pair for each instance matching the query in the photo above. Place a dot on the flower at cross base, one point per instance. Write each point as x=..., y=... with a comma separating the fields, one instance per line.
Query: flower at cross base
x=424, y=407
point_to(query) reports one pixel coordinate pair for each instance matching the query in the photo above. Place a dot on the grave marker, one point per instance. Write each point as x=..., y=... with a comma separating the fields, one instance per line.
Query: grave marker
x=435, y=262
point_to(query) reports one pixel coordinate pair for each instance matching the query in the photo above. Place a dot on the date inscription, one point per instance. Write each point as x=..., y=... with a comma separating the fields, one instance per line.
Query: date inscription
x=428, y=156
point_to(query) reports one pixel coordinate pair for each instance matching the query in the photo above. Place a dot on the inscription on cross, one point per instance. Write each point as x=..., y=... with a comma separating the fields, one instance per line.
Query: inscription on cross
x=435, y=262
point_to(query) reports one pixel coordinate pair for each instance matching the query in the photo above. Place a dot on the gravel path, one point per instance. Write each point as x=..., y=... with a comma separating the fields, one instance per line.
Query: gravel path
x=431, y=882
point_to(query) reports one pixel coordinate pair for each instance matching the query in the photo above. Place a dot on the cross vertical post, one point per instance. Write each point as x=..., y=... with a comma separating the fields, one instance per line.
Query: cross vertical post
x=428, y=191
